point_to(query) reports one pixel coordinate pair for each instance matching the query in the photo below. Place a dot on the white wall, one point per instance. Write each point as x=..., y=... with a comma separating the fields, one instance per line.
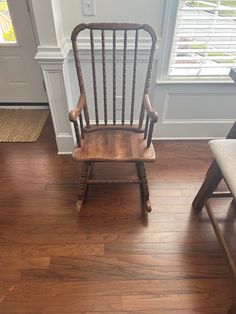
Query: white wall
x=139, y=11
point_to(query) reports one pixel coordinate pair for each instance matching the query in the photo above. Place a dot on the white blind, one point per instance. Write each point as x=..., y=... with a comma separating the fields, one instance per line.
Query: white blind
x=205, y=39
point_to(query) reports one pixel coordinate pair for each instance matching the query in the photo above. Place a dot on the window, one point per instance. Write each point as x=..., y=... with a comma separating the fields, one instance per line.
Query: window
x=204, y=44
x=7, y=34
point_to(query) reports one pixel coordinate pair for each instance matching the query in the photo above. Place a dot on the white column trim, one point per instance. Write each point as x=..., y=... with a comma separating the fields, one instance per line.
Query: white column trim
x=53, y=61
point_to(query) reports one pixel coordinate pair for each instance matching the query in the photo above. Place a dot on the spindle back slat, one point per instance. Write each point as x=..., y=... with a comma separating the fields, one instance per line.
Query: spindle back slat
x=114, y=76
x=80, y=80
x=128, y=87
x=124, y=78
x=134, y=78
x=149, y=139
x=94, y=76
x=81, y=126
x=147, y=82
x=104, y=77
x=141, y=116
x=149, y=70
x=146, y=127
x=77, y=133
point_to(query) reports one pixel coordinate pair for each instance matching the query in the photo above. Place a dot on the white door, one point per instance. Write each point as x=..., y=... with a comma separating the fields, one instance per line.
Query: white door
x=21, y=79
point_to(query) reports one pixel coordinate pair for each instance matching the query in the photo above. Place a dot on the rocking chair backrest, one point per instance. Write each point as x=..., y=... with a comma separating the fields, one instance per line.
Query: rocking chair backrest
x=99, y=44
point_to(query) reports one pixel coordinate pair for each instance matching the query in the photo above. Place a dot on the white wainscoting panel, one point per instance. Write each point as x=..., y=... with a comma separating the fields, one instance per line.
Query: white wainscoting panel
x=195, y=110
x=202, y=107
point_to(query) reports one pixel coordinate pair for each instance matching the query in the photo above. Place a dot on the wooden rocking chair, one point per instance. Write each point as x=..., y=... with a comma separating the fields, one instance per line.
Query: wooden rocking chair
x=114, y=140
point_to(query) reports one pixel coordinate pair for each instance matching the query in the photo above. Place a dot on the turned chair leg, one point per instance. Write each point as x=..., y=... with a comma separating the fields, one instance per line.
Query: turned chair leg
x=144, y=186
x=83, y=183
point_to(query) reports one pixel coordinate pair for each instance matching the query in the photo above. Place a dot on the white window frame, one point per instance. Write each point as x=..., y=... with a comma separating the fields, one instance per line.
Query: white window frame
x=165, y=50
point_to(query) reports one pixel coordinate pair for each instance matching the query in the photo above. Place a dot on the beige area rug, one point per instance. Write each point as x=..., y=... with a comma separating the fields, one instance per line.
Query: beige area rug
x=21, y=125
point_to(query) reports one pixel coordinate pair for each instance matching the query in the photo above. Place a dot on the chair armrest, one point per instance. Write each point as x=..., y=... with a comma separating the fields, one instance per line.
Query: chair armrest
x=151, y=113
x=74, y=113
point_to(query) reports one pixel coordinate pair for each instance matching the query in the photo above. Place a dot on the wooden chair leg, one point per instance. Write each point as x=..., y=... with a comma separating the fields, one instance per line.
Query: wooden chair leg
x=212, y=180
x=144, y=186
x=83, y=182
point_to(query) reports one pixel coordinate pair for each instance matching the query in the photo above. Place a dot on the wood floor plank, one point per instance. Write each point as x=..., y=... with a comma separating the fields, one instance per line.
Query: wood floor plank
x=34, y=289
x=178, y=302
x=67, y=297
x=73, y=236
x=70, y=304
x=130, y=267
x=45, y=250
x=71, y=218
x=195, y=249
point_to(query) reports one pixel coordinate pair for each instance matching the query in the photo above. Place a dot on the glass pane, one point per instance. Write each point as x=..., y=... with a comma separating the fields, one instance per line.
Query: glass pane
x=7, y=34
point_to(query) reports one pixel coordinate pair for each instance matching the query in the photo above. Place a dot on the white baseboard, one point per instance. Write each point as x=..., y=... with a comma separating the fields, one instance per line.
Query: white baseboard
x=64, y=153
x=184, y=138
x=24, y=107
x=65, y=144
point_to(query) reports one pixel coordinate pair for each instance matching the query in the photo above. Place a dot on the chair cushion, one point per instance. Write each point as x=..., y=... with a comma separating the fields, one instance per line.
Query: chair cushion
x=114, y=145
x=224, y=152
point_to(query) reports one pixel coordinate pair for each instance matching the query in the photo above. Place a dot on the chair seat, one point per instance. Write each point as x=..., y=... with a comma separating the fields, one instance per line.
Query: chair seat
x=224, y=152
x=114, y=145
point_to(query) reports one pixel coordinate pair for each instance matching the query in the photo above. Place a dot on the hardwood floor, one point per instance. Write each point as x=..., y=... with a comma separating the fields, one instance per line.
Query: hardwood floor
x=109, y=259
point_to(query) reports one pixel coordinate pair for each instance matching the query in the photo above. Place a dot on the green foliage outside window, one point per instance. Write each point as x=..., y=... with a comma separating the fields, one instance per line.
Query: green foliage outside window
x=10, y=35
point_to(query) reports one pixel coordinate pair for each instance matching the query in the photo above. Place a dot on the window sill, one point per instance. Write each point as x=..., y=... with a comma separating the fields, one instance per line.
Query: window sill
x=227, y=81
